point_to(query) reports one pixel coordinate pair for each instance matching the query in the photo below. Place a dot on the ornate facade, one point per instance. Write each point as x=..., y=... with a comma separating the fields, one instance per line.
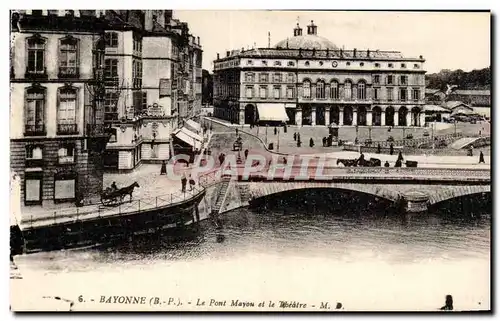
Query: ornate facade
x=308, y=80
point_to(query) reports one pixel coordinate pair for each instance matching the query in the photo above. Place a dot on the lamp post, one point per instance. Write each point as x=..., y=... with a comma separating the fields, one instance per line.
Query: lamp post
x=278, y=144
x=266, y=134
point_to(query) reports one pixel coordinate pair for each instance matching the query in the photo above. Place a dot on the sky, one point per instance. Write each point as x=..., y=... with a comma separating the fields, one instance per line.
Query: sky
x=447, y=40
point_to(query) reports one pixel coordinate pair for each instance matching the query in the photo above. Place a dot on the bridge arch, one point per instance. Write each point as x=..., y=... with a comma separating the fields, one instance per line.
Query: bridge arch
x=258, y=190
x=444, y=194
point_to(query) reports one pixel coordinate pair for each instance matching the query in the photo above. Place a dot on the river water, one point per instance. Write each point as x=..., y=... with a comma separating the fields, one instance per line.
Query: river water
x=348, y=249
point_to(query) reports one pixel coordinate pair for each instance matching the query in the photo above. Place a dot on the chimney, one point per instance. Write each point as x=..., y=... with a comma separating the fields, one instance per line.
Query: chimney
x=354, y=53
x=242, y=49
x=228, y=53
x=368, y=53
x=327, y=52
x=300, y=51
x=421, y=57
x=218, y=56
x=314, y=51
x=341, y=52
x=198, y=38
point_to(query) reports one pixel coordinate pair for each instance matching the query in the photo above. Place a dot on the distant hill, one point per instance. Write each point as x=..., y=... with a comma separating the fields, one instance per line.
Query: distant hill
x=475, y=79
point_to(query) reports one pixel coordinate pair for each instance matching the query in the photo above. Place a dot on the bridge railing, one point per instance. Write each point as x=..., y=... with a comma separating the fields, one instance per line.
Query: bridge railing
x=122, y=209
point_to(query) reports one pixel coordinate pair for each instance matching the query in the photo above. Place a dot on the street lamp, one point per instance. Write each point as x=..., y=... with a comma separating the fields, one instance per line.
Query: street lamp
x=266, y=134
x=278, y=144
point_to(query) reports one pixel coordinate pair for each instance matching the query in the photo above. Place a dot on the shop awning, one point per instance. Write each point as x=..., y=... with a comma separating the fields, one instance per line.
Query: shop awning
x=194, y=125
x=188, y=137
x=272, y=112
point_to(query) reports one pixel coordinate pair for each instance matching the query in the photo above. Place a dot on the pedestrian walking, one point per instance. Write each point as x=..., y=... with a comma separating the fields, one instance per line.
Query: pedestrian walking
x=285, y=127
x=246, y=153
x=298, y=136
x=311, y=142
x=324, y=141
x=299, y=143
x=191, y=183
x=481, y=157
x=183, y=182
x=400, y=156
x=163, y=170
x=471, y=150
x=378, y=149
x=391, y=149
x=295, y=136
x=275, y=131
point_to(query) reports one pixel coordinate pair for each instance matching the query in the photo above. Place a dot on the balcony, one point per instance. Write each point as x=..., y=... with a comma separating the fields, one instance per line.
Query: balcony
x=36, y=74
x=67, y=129
x=69, y=73
x=64, y=160
x=34, y=130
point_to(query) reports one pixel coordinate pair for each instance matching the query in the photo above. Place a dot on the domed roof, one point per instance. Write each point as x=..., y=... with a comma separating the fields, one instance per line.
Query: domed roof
x=306, y=42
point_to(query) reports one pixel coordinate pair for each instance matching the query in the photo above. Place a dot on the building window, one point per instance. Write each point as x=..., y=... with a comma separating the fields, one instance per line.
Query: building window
x=64, y=187
x=249, y=91
x=307, y=89
x=416, y=66
x=348, y=63
x=277, y=90
x=291, y=64
x=137, y=45
x=415, y=94
x=33, y=188
x=111, y=72
x=306, y=63
x=404, y=80
x=249, y=77
x=375, y=94
x=68, y=57
x=137, y=74
x=263, y=77
x=277, y=63
x=290, y=78
x=376, y=79
x=321, y=63
x=277, y=77
x=264, y=62
x=377, y=65
x=361, y=64
x=144, y=101
x=36, y=55
x=34, y=152
x=290, y=93
x=66, y=154
x=348, y=90
x=320, y=89
x=403, y=94
x=35, y=111
x=361, y=91
x=263, y=92
x=111, y=39
x=391, y=65
x=66, y=112
x=110, y=106
x=249, y=62
x=389, y=94
x=403, y=65
x=390, y=79
x=334, y=90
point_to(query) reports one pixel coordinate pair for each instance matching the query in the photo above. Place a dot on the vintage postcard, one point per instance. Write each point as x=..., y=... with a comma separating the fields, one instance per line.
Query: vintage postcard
x=266, y=160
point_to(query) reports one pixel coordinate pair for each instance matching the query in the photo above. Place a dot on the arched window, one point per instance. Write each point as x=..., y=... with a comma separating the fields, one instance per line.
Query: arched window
x=307, y=63
x=307, y=89
x=334, y=90
x=68, y=57
x=320, y=89
x=361, y=91
x=66, y=111
x=36, y=55
x=35, y=111
x=348, y=90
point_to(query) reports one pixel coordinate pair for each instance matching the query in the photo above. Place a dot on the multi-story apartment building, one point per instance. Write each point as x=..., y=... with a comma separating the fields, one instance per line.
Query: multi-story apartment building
x=153, y=83
x=56, y=132
x=308, y=80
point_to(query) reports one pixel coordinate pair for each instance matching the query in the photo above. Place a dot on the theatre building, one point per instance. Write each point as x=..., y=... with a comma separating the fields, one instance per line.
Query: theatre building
x=306, y=79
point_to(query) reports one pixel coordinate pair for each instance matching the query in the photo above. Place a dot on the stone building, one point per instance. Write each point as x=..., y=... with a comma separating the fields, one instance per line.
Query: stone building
x=153, y=82
x=306, y=79
x=56, y=131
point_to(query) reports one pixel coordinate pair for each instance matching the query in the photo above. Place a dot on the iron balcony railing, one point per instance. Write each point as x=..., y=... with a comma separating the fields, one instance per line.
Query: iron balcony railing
x=67, y=129
x=34, y=130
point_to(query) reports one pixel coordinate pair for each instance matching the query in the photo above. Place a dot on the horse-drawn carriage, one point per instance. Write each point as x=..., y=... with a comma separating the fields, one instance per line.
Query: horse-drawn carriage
x=238, y=144
x=114, y=196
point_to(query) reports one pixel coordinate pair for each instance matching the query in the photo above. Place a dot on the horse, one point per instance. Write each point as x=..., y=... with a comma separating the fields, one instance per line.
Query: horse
x=347, y=162
x=122, y=192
